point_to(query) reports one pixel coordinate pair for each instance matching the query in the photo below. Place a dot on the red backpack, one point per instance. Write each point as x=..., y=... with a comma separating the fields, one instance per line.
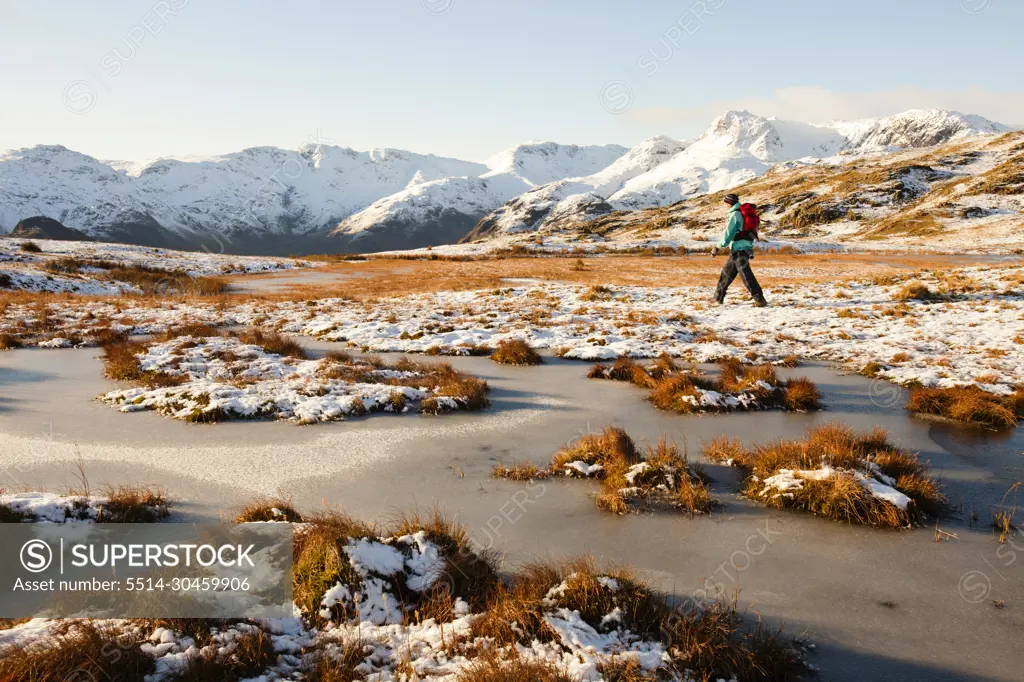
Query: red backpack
x=751, y=224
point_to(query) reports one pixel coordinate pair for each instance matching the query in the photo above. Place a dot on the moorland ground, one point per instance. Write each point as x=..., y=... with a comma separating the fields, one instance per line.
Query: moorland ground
x=891, y=604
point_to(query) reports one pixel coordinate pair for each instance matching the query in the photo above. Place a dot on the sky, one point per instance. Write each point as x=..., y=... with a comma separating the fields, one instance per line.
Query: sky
x=139, y=79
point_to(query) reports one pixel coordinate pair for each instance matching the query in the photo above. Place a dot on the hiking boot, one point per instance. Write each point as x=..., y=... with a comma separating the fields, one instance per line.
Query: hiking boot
x=761, y=303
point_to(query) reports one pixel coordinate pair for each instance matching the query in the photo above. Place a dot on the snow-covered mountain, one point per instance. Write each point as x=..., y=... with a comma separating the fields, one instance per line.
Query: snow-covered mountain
x=735, y=148
x=913, y=129
x=446, y=210
x=259, y=199
x=266, y=200
x=579, y=195
x=271, y=200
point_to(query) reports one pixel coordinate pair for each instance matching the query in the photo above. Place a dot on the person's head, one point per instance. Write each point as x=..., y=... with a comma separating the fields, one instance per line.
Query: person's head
x=731, y=199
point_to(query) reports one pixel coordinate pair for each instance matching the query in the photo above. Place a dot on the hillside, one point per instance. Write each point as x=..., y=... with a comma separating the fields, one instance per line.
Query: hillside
x=736, y=148
x=966, y=195
x=38, y=227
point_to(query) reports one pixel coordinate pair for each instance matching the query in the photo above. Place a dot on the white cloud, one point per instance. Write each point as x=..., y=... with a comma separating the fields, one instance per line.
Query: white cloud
x=816, y=104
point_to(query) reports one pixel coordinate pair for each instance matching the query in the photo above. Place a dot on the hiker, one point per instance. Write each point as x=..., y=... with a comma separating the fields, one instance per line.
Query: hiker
x=739, y=238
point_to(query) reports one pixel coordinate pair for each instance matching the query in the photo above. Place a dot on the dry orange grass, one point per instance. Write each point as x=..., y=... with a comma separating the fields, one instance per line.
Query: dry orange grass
x=631, y=478
x=386, y=277
x=678, y=393
x=470, y=572
x=320, y=563
x=521, y=472
x=79, y=651
x=1003, y=518
x=801, y=395
x=124, y=504
x=8, y=623
x=516, y=352
x=968, y=404
x=121, y=363
x=916, y=291
x=337, y=662
x=611, y=447
x=193, y=329
x=730, y=451
x=839, y=496
x=134, y=504
x=494, y=669
x=707, y=643
x=626, y=369
x=441, y=378
x=677, y=390
x=268, y=509
x=9, y=341
x=151, y=281
x=469, y=390
x=378, y=278
x=272, y=342
x=665, y=478
x=249, y=657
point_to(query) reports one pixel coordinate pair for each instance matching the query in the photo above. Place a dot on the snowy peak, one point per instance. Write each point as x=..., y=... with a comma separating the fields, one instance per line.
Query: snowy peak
x=654, y=147
x=452, y=206
x=737, y=147
x=538, y=163
x=913, y=129
x=652, y=152
x=576, y=193
x=175, y=201
x=742, y=130
x=54, y=159
x=773, y=140
x=769, y=139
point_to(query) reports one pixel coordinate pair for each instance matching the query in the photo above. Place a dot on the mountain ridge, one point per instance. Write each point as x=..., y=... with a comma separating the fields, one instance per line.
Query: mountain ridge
x=735, y=148
x=267, y=200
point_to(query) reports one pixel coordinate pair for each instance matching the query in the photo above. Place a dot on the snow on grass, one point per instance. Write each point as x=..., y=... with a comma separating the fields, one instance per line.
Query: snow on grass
x=413, y=558
x=121, y=505
x=631, y=479
x=737, y=387
x=849, y=477
x=51, y=508
x=570, y=617
x=98, y=269
x=852, y=323
x=787, y=481
x=31, y=279
x=194, y=263
x=218, y=378
x=585, y=470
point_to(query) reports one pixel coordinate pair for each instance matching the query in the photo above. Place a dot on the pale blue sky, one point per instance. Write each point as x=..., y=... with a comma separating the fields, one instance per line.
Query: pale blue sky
x=476, y=76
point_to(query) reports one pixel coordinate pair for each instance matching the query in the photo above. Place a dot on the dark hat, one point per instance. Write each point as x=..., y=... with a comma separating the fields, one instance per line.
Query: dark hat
x=731, y=199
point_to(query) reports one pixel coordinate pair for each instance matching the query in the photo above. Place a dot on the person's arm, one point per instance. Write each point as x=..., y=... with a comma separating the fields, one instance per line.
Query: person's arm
x=732, y=229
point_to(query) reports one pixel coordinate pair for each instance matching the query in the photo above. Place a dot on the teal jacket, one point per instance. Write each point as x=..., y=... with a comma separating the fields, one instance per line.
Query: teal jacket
x=734, y=227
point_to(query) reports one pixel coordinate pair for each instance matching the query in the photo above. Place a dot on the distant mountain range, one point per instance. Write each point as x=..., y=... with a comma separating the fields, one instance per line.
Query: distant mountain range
x=735, y=148
x=266, y=200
